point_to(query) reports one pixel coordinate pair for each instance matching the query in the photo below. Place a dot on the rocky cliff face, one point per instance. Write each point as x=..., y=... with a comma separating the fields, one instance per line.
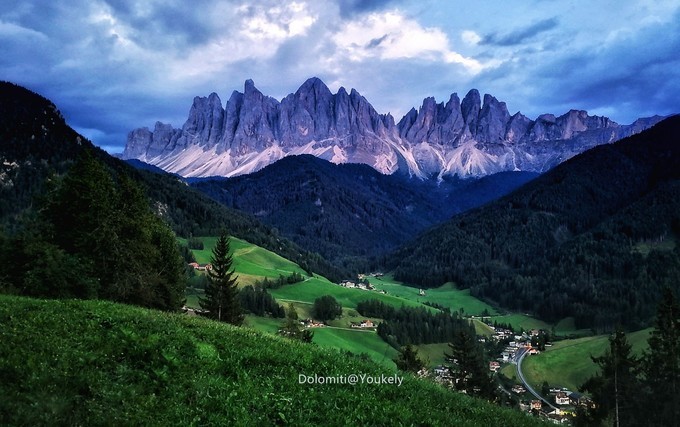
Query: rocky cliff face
x=468, y=138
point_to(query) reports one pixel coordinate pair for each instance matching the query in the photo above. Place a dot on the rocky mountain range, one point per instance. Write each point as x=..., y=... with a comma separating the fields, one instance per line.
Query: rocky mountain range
x=470, y=138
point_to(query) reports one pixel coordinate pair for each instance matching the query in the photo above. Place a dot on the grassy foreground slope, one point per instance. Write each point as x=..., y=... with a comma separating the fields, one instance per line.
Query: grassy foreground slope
x=93, y=362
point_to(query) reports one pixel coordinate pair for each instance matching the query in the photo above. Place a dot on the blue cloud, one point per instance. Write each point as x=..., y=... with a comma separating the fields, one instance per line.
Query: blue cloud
x=521, y=35
x=349, y=8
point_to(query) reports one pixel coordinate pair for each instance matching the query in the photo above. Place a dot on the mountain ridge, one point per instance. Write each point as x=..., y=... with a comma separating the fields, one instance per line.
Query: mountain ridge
x=37, y=146
x=470, y=138
x=349, y=213
x=596, y=238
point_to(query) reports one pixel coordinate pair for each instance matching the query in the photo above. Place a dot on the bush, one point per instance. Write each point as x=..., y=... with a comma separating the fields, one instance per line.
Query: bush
x=326, y=308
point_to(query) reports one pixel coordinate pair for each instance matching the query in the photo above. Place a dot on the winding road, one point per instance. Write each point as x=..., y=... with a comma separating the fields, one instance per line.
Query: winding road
x=521, y=354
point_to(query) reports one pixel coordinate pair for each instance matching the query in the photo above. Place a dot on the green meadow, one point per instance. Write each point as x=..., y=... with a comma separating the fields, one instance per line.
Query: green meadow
x=446, y=295
x=70, y=362
x=568, y=364
x=251, y=262
x=358, y=342
x=315, y=287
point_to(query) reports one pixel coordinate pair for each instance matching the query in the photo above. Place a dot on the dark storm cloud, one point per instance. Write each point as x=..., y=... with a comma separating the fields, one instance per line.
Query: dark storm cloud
x=350, y=8
x=177, y=22
x=114, y=65
x=630, y=76
x=377, y=41
x=521, y=35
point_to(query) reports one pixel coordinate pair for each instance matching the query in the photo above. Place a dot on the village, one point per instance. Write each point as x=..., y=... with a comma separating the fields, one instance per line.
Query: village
x=557, y=407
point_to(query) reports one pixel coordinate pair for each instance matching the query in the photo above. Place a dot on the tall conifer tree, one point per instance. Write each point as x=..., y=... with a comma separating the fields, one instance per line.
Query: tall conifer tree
x=661, y=364
x=221, y=292
x=615, y=389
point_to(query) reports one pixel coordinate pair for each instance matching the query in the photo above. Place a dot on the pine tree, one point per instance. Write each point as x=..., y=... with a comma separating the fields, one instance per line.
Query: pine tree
x=326, y=308
x=221, y=292
x=468, y=368
x=615, y=389
x=408, y=359
x=661, y=364
x=95, y=236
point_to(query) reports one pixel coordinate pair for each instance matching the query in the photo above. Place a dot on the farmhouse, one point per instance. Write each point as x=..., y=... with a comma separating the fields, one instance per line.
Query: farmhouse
x=310, y=323
x=494, y=366
x=366, y=323
x=536, y=404
x=561, y=398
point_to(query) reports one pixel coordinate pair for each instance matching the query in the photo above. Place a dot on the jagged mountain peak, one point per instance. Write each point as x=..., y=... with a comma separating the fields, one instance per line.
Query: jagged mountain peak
x=473, y=137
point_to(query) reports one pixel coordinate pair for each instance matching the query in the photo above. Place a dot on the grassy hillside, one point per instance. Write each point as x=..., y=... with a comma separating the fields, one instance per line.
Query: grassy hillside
x=251, y=262
x=92, y=363
x=568, y=364
x=447, y=295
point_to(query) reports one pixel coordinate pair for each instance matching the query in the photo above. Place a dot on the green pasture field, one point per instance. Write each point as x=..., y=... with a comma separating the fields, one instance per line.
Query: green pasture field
x=568, y=364
x=358, y=342
x=316, y=287
x=251, y=262
x=433, y=354
x=446, y=295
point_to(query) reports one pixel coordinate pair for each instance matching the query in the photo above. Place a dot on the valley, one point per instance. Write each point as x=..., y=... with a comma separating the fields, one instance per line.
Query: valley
x=499, y=266
x=566, y=363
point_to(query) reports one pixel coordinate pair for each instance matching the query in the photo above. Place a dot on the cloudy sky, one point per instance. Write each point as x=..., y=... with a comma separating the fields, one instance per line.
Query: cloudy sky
x=114, y=65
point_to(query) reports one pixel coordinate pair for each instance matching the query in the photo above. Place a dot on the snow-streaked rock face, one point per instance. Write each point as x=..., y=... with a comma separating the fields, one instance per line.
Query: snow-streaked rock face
x=471, y=138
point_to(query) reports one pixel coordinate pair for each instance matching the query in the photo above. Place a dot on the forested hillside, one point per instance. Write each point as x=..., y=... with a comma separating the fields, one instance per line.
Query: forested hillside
x=37, y=147
x=596, y=238
x=349, y=212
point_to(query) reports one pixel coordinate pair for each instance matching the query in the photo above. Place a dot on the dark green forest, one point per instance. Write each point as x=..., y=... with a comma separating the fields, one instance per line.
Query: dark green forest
x=409, y=325
x=93, y=235
x=38, y=147
x=349, y=213
x=595, y=238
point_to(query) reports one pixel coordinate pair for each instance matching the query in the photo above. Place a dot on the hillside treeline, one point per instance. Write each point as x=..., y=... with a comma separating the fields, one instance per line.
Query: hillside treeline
x=37, y=146
x=596, y=238
x=93, y=235
x=410, y=325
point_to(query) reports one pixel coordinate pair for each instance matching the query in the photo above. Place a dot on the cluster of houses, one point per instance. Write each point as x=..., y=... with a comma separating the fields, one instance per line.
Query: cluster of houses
x=200, y=267
x=555, y=415
x=562, y=397
x=366, y=323
x=364, y=286
x=311, y=323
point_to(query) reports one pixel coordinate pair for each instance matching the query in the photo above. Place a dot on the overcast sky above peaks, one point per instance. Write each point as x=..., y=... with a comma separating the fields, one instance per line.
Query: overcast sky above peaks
x=114, y=65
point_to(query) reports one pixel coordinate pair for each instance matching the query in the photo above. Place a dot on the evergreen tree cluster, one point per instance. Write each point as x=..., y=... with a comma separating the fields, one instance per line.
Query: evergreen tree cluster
x=596, y=238
x=256, y=300
x=639, y=391
x=326, y=308
x=468, y=365
x=94, y=236
x=282, y=280
x=408, y=359
x=410, y=325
